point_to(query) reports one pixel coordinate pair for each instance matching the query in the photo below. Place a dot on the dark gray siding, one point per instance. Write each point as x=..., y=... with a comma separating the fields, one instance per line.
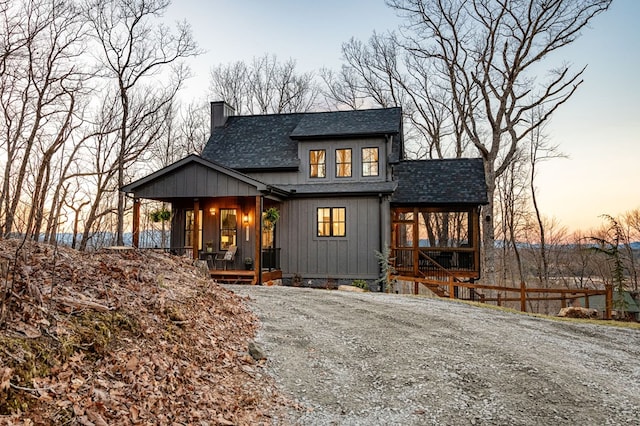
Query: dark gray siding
x=350, y=257
x=195, y=180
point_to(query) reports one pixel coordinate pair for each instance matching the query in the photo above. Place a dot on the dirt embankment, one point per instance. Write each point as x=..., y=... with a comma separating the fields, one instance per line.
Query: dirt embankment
x=123, y=338
x=364, y=358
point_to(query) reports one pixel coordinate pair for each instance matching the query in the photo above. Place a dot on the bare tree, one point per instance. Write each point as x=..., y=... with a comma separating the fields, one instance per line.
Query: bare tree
x=512, y=200
x=41, y=80
x=194, y=127
x=135, y=48
x=486, y=51
x=230, y=83
x=540, y=150
x=383, y=73
x=265, y=86
x=630, y=228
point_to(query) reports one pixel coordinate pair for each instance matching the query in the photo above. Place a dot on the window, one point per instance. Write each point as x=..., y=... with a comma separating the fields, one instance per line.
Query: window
x=188, y=229
x=369, y=161
x=343, y=163
x=332, y=221
x=228, y=228
x=317, y=163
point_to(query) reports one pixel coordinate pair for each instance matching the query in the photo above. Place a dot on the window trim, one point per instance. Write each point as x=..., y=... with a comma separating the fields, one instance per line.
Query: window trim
x=331, y=223
x=377, y=162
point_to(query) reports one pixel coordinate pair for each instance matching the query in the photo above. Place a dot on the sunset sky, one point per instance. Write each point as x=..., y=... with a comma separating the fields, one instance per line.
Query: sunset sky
x=598, y=128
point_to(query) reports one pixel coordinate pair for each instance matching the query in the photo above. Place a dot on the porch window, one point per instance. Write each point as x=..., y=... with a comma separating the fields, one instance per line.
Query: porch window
x=332, y=221
x=268, y=236
x=444, y=229
x=188, y=229
x=405, y=235
x=228, y=228
x=370, y=162
x=343, y=163
x=317, y=163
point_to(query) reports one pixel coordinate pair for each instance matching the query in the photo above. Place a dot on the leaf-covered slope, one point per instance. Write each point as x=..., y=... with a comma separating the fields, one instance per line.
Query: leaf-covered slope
x=128, y=337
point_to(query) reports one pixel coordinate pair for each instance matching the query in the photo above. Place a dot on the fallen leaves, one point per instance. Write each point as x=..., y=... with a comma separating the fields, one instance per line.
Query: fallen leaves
x=124, y=338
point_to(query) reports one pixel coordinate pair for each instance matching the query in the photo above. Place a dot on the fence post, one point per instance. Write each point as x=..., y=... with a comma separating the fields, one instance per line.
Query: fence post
x=452, y=292
x=523, y=297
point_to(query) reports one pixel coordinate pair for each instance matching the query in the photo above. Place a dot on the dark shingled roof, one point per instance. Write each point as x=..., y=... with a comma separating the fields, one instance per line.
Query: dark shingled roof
x=450, y=181
x=349, y=123
x=254, y=142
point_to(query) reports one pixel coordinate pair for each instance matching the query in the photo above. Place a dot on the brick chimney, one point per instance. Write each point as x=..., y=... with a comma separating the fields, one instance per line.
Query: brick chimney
x=220, y=111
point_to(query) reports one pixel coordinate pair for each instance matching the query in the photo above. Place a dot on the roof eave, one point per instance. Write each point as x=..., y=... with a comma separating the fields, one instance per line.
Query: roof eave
x=342, y=135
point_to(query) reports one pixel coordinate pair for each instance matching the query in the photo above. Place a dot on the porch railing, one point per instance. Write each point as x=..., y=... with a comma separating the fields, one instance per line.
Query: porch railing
x=434, y=262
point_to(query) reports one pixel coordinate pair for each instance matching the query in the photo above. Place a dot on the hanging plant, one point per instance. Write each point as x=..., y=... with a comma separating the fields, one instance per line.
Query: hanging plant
x=160, y=215
x=270, y=217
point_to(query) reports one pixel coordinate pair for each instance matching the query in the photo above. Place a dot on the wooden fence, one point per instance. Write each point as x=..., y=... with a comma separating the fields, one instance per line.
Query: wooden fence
x=523, y=294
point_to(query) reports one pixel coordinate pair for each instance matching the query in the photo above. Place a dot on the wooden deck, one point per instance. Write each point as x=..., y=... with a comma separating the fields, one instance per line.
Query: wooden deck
x=242, y=276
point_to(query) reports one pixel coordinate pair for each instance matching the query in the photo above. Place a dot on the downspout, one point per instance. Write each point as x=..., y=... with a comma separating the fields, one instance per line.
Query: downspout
x=259, y=219
x=380, y=236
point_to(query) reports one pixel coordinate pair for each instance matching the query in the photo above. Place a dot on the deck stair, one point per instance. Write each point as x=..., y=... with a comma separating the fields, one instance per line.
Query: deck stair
x=233, y=276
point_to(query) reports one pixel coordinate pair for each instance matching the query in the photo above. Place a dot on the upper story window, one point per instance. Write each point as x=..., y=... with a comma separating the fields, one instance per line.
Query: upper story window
x=343, y=162
x=317, y=163
x=332, y=221
x=370, y=162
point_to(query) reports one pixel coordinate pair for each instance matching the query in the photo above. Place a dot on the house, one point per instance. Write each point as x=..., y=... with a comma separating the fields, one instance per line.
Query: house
x=344, y=190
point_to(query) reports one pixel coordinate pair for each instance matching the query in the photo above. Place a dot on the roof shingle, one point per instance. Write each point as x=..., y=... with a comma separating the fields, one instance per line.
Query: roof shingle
x=349, y=123
x=448, y=181
x=254, y=142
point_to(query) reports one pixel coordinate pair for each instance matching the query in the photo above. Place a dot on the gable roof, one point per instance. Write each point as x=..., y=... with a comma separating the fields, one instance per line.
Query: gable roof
x=193, y=176
x=259, y=142
x=447, y=181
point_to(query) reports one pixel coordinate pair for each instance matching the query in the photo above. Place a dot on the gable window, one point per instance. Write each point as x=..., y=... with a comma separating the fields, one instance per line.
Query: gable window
x=317, y=163
x=343, y=162
x=332, y=221
x=369, y=161
x=228, y=228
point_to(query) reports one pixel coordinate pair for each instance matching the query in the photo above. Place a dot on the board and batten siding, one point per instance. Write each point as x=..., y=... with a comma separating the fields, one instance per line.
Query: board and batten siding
x=349, y=257
x=193, y=181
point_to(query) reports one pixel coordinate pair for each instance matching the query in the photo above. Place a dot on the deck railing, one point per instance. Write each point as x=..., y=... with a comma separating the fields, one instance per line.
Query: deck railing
x=438, y=263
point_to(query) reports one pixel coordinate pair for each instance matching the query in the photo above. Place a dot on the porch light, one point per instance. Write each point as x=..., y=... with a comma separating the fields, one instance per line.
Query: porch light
x=212, y=211
x=245, y=219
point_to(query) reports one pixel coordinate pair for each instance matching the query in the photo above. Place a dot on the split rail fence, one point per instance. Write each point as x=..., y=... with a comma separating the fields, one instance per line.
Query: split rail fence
x=523, y=294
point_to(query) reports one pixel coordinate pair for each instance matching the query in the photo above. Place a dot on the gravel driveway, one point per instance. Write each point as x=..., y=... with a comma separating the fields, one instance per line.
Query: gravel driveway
x=373, y=359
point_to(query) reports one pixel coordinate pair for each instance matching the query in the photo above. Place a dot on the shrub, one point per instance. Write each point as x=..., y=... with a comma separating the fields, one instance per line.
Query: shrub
x=360, y=284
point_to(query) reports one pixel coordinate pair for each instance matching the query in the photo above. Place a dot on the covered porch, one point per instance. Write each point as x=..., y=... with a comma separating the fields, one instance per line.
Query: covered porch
x=436, y=246
x=217, y=216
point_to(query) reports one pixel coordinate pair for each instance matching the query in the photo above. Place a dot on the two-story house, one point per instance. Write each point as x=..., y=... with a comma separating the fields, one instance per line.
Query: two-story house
x=344, y=191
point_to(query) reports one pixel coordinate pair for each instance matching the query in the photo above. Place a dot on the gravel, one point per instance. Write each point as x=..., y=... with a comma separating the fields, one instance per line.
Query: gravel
x=371, y=359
